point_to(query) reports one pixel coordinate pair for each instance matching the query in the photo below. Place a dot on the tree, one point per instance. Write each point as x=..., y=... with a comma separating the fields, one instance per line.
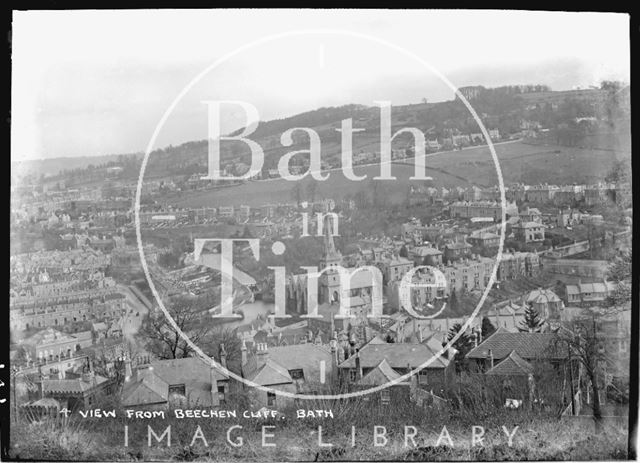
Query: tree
x=228, y=338
x=403, y=251
x=620, y=268
x=163, y=340
x=487, y=328
x=463, y=345
x=583, y=343
x=246, y=233
x=620, y=273
x=453, y=300
x=619, y=172
x=532, y=322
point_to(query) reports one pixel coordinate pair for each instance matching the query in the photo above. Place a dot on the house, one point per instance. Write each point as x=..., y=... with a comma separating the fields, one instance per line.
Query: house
x=189, y=381
x=399, y=359
x=456, y=250
x=529, y=231
x=545, y=302
x=426, y=255
x=509, y=315
x=76, y=393
x=589, y=294
x=529, y=346
x=515, y=376
x=530, y=214
x=485, y=239
x=50, y=344
x=517, y=264
x=302, y=368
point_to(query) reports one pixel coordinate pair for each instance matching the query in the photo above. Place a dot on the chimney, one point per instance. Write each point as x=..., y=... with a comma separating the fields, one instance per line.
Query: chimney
x=334, y=359
x=358, y=366
x=40, y=386
x=261, y=355
x=127, y=368
x=243, y=350
x=413, y=384
x=223, y=356
x=491, y=358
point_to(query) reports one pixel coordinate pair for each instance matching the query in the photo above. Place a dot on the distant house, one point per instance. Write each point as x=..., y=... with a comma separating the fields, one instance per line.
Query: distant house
x=189, y=381
x=456, y=250
x=529, y=231
x=507, y=315
x=425, y=254
x=589, y=294
x=530, y=214
x=50, y=344
x=485, y=239
x=545, y=302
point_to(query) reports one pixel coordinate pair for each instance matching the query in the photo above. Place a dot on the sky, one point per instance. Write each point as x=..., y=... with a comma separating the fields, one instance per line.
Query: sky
x=98, y=82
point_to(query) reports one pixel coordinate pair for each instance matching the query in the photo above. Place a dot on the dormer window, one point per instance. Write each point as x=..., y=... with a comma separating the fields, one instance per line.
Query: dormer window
x=177, y=389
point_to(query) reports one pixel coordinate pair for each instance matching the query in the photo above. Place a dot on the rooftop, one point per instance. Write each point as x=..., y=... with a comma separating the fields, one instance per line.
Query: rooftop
x=528, y=345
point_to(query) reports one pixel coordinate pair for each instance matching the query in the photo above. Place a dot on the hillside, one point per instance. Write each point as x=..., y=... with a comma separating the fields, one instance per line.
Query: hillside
x=504, y=108
x=519, y=162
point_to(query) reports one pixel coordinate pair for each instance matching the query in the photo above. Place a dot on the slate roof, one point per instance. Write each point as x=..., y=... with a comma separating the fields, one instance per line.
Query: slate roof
x=381, y=374
x=423, y=251
x=49, y=336
x=300, y=355
x=529, y=225
x=269, y=374
x=70, y=386
x=454, y=246
x=529, y=346
x=281, y=359
x=151, y=384
x=397, y=355
x=542, y=296
x=148, y=390
x=513, y=365
x=178, y=371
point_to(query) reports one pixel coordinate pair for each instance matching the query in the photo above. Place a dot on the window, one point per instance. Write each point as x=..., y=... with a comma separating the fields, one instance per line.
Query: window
x=221, y=394
x=177, y=389
x=271, y=399
x=297, y=374
x=352, y=374
x=385, y=396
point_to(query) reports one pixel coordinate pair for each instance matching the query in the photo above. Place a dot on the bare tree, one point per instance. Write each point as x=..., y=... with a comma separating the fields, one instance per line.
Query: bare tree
x=585, y=342
x=163, y=339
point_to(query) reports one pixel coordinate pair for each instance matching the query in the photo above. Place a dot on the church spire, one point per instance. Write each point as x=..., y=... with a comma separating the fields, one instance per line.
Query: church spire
x=330, y=255
x=329, y=245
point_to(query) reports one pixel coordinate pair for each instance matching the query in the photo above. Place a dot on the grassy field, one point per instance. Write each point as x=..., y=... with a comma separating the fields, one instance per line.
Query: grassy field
x=520, y=162
x=535, y=438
